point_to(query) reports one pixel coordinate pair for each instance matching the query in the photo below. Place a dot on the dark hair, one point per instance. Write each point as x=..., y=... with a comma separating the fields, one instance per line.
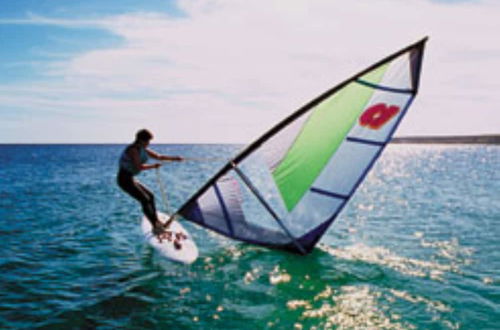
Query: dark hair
x=143, y=135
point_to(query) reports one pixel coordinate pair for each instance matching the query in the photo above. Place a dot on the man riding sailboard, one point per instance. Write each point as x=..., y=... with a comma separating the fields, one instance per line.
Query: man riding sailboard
x=133, y=161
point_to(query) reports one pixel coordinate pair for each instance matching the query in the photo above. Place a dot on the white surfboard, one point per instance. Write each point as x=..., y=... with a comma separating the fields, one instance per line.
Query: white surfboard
x=188, y=252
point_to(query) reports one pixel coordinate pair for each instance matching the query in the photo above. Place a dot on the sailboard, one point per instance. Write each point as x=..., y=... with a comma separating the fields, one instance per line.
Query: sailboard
x=186, y=252
x=285, y=189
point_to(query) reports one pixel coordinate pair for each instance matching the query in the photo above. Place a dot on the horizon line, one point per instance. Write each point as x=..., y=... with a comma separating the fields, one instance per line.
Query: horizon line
x=488, y=135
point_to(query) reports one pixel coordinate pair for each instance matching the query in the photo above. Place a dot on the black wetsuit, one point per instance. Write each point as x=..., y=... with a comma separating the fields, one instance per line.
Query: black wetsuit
x=134, y=188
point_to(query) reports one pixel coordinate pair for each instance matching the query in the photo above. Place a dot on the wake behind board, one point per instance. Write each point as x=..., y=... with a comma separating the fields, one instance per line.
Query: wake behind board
x=187, y=254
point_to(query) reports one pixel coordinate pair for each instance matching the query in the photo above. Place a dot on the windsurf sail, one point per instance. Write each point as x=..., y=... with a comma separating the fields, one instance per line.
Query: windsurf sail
x=285, y=189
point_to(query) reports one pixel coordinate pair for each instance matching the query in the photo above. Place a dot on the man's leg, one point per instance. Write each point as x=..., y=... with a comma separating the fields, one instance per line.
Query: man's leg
x=148, y=204
x=142, y=195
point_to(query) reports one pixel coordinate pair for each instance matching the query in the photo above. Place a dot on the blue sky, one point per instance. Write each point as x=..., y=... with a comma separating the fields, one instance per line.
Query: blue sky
x=226, y=70
x=27, y=47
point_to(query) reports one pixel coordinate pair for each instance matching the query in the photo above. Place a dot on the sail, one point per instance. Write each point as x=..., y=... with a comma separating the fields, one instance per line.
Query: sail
x=285, y=189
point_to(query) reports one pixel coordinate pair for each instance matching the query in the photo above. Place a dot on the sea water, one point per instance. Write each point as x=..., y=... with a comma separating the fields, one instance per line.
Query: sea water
x=417, y=247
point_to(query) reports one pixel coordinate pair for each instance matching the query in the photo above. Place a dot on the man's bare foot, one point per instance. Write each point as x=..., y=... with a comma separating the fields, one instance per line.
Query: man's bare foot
x=180, y=236
x=167, y=235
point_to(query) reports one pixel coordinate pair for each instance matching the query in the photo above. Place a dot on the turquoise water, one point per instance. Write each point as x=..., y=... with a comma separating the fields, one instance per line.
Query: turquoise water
x=416, y=248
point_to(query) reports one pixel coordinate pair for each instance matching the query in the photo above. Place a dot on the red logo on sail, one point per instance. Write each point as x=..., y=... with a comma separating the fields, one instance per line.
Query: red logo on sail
x=378, y=115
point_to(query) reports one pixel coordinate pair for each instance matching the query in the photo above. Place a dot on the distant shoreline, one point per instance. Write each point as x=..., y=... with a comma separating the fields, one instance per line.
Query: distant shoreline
x=470, y=139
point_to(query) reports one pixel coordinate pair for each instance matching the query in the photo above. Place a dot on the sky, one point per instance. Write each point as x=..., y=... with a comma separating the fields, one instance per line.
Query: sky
x=225, y=71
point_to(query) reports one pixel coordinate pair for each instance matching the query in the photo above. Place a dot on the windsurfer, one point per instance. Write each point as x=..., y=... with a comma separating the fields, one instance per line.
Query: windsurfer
x=133, y=161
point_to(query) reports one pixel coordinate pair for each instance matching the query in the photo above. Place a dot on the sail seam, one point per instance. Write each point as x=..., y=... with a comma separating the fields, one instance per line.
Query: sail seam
x=329, y=193
x=365, y=141
x=384, y=88
x=224, y=209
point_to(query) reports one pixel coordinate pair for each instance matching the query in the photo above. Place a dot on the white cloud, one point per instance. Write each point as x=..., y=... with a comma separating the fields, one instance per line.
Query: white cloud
x=230, y=69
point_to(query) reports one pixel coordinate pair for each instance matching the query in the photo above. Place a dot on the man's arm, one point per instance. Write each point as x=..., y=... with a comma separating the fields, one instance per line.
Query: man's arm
x=157, y=156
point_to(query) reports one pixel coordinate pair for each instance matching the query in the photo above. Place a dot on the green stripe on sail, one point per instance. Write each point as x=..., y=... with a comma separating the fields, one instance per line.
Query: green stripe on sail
x=321, y=136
